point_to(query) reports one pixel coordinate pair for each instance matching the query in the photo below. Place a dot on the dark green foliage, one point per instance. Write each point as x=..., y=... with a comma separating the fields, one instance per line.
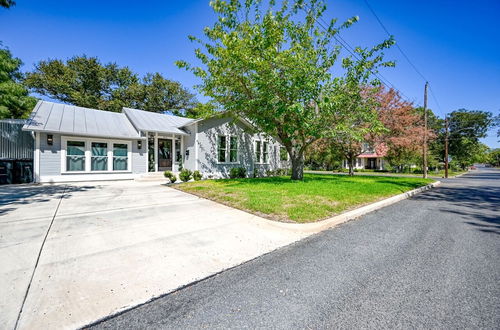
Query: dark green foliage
x=7, y=3
x=237, y=172
x=14, y=99
x=185, y=175
x=171, y=176
x=86, y=82
x=197, y=175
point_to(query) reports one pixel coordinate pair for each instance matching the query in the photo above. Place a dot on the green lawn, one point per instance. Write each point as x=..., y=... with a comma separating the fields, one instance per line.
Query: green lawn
x=317, y=197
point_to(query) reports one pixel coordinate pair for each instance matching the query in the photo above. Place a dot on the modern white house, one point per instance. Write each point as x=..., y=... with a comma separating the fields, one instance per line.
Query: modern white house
x=369, y=159
x=81, y=144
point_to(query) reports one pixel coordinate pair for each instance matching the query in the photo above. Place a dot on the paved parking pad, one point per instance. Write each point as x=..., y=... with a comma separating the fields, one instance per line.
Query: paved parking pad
x=114, y=245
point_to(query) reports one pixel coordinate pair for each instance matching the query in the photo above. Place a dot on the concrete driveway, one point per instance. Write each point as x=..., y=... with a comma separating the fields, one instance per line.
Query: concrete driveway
x=111, y=245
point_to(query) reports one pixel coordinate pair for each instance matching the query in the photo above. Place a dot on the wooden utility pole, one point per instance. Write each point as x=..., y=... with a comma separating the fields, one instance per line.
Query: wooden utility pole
x=424, y=165
x=446, y=147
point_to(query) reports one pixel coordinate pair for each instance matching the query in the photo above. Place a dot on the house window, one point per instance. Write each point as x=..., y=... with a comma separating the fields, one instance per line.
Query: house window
x=233, y=149
x=221, y=149
x=75, y=156
x=257, y=151
x=178, y=151
x=266, y=152
x=283, y=154
x=120, y=157
x=99, y=160
x=358, y=160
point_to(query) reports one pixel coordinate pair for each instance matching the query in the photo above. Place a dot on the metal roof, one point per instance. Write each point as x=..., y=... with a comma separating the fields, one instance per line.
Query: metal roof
x=73, y=120
x=156, y=122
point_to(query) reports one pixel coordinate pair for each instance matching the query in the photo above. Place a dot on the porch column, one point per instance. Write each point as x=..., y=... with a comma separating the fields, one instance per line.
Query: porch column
x=173, y=154
x=156, y=152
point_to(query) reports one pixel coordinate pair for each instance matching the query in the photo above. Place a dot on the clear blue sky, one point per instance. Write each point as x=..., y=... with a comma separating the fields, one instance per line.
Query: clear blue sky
x=455, y=44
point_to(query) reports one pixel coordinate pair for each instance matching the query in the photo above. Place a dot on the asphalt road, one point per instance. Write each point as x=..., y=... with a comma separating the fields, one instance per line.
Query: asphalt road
x=432, y=261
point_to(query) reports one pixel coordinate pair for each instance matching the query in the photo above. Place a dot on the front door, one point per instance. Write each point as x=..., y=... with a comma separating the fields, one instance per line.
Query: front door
x=164, y=155
x=372, y=163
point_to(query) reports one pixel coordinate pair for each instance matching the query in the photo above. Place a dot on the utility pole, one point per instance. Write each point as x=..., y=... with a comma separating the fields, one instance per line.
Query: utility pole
x=446, y=147
x=424, y=165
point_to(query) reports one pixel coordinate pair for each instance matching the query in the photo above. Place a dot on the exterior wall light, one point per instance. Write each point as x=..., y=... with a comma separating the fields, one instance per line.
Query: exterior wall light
x=50, y=139
x=139, y=144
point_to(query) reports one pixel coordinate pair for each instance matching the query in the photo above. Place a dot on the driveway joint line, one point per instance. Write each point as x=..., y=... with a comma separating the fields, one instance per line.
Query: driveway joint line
x=38, y=258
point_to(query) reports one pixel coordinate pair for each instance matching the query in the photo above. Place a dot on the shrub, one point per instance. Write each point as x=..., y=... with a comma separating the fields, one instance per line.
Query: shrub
x=238, y=172
x=269, y=173
x=255, y=173
x=185, y=175
x=197, y=176
x=171, y=176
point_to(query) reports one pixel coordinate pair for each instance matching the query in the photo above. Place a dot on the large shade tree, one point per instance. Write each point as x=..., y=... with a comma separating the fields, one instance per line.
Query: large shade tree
x=353, y=120
x=404, y=128
x=86, y=82
x=466, y=128
x=14, y=99
x=270, y=64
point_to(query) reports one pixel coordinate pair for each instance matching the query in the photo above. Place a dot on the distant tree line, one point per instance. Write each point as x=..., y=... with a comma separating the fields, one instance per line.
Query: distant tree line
x=85, y=81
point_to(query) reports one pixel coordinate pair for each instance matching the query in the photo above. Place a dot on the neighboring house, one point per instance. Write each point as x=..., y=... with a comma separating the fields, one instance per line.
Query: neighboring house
x=369, y=159
x=80, y=144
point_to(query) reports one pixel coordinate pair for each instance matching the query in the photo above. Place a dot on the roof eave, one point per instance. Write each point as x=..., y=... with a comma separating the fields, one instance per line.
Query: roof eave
x=86, y=135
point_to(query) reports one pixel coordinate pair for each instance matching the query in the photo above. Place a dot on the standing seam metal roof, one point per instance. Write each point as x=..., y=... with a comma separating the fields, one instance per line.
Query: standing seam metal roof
x=73, y=120
x=156, y=122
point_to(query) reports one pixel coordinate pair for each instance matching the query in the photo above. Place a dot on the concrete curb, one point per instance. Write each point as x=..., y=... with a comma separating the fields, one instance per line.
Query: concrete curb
x=317, y=227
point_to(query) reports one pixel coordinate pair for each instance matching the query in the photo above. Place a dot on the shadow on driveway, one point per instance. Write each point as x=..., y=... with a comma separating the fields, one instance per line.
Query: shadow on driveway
x=12, y=196
x=475, y=198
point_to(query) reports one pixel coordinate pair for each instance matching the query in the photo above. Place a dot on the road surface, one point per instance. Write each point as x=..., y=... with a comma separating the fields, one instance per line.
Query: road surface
x=432, y=261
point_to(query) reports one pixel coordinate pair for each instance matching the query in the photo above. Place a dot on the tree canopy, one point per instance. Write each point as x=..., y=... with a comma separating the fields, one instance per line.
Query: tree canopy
x=272, y=65
x=466, y=127
x=86, y=82
x=14, y=99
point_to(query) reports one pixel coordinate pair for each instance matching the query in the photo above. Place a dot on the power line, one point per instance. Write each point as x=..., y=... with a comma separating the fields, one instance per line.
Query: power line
x=404, y=54
x=397, y=46
x=351, y=50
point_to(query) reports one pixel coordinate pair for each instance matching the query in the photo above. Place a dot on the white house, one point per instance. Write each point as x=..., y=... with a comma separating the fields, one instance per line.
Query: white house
x=80, y=144
x=369, y=159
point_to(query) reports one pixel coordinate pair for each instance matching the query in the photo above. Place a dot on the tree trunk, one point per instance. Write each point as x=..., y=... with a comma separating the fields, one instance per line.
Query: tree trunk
x=297, y=165
x=351, y=165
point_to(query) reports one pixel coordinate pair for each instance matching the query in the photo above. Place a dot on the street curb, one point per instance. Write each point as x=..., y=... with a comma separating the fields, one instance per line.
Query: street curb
x=319, y=226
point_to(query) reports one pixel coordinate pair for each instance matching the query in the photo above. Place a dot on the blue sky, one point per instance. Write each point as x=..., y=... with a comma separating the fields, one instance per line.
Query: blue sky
x=455, y=44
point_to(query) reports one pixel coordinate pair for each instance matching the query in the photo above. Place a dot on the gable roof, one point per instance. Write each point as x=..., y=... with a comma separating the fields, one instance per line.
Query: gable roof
x=156, y=122
x=73, y=120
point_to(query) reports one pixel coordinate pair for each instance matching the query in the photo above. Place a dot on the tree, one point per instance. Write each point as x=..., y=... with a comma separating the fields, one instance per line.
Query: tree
x=271, y=66
x=14, y=99
x=7, y=3
x=494, y=157
x=86, y=82
x=466, y=127
x=404, y=128
x=353, y=117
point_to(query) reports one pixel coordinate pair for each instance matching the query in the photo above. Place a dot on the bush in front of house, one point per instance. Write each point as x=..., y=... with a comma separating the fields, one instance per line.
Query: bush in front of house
x=197, y=175
x=171, y=176
x=185, y=175
x=237, y=172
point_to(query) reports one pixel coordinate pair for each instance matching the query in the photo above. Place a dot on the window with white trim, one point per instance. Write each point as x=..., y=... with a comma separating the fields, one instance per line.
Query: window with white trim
x=221, y=149
x=75, y=156
x=258, y=151
x=233, y=149
x=120, y=156
x=99, y=156
x=265, y=152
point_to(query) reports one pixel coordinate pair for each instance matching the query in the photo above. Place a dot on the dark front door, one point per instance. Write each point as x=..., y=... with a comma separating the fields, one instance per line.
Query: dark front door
x=164, y=155
x=372, y=163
